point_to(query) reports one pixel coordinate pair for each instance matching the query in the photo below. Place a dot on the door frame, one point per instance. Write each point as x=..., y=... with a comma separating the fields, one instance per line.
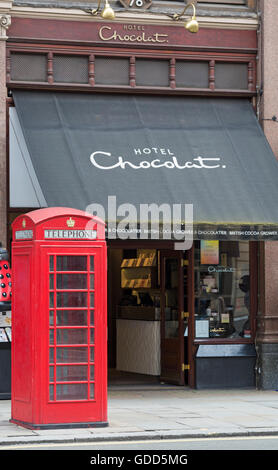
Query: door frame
x=165, y=247
x=188, y=258
x=170, y=254
x=191, y=348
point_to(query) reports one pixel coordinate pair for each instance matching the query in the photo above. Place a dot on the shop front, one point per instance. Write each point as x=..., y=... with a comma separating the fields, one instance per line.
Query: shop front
x=183, y=290
x=186, y=318
x=154, y=130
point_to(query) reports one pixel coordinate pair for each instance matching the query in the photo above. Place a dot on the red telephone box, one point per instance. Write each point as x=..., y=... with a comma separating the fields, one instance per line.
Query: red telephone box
x=59, y=348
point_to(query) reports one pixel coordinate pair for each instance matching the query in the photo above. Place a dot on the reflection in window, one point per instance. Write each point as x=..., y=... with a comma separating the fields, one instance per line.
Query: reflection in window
x=72, y=318
x=71, y=281
x=171, y=298
x=222, y=283
x=71, y=299
x=71, y=263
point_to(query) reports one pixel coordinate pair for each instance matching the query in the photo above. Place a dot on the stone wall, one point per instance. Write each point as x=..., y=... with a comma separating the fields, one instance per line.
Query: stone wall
x=267, y=324
x=4, y=24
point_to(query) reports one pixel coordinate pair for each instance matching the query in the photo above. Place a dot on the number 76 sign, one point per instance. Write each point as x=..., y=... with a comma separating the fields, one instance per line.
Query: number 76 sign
x=141, y=4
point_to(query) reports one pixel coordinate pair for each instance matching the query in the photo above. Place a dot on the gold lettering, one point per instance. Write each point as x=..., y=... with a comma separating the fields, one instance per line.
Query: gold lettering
x=101, y=35
x=105, y=36
x=131, y=27
x=161, y=37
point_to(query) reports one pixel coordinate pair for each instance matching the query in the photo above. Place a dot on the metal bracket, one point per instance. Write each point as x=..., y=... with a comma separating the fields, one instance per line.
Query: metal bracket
x=184, y=262
x=184, y=315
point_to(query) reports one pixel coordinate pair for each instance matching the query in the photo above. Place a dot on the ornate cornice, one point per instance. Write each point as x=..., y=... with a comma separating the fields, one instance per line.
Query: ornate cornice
x=5, y=18
x=5, y=21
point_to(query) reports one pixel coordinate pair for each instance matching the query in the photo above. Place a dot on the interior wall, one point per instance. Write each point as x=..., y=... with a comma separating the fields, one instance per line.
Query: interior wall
x=114, y=296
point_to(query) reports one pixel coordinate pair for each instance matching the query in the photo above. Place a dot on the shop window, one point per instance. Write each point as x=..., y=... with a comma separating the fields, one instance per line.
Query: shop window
x=222, y=290
x=29, y=67
x=192, y=74
x=111, y=71
x=152, y=72
x=70, y=69
x=231, y=76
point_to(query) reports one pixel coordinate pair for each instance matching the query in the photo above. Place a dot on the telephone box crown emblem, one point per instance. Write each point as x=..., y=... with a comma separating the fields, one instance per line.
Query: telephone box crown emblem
x=70, y=222
x=23, y=223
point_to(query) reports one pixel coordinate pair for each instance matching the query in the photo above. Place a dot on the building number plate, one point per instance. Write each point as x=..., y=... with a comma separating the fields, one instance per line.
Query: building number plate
x=142, y=4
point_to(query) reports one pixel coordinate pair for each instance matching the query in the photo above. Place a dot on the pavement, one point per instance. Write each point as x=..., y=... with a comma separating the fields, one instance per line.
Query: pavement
x=139, y=413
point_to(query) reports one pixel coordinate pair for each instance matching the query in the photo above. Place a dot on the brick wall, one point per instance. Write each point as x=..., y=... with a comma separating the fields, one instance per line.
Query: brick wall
x=269, y=54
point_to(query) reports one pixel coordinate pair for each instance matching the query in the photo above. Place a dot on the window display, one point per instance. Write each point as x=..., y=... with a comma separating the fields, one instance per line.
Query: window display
x=5, y=327
x=222, y=289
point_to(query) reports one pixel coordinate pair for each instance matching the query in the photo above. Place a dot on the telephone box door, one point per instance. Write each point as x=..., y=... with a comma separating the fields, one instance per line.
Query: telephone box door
x=75, y=346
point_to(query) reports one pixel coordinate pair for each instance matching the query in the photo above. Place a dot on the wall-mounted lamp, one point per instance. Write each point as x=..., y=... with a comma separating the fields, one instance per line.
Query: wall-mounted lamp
x=191, y=25
x=107, y=13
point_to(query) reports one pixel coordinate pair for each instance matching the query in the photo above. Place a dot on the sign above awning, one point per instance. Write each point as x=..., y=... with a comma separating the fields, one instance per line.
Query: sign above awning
x=134, y=153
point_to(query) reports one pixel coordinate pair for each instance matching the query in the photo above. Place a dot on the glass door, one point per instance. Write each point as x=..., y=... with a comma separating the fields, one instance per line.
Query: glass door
x=71, y=328
x=172, y=318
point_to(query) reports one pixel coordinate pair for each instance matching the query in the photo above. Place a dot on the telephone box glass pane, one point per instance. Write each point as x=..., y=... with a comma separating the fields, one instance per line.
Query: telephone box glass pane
x=51, y=355
x=51, y=281
x=71, y=391
x=72, y=281
x=74, y=336
x=51, y=299
x=71, y=263
x=71, y=355
x=92, y=373
x=92, y=319
x=72, y=318
x=92, y=263
x=71, y=299
x=92, y=354
x=71, y=373
x=92, y=391
x=51, y=317
x=51, y=263
x=92, y=300
x=51, y=392
x=51, y=337
x=92, y=281
x=92, y=336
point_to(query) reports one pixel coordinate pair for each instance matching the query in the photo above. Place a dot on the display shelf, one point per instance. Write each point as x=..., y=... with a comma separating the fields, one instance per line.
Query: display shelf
x=140, y=272
x=137, y=278
x=143, y=260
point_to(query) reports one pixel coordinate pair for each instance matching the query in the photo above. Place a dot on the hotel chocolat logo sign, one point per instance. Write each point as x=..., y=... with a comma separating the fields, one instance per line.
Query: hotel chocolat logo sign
x=145, y=158
x=132, y=34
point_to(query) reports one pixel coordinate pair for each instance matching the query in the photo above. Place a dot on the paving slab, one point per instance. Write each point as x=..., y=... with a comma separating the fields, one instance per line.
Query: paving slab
x=161, y=414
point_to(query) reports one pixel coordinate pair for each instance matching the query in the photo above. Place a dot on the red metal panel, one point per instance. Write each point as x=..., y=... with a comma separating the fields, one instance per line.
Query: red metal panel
x=22, y=340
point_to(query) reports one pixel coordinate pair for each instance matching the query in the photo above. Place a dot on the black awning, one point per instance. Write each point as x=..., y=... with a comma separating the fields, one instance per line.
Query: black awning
x=209, y=152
